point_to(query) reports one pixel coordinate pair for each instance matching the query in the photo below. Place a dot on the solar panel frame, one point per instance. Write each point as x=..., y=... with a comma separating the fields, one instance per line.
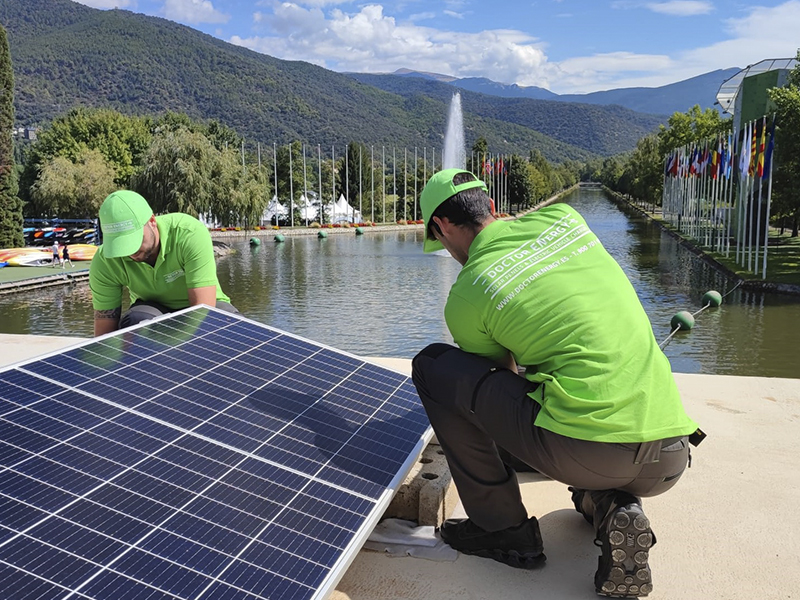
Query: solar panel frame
x=120, y=421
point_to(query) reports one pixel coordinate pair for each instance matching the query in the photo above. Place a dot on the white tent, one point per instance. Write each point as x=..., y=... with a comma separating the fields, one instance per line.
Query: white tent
x=274, y=208
x=308, y=212
x=342, y=211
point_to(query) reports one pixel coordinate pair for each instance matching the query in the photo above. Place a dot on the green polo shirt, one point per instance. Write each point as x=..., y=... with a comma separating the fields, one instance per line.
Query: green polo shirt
x=544, y=288
x=185, y=261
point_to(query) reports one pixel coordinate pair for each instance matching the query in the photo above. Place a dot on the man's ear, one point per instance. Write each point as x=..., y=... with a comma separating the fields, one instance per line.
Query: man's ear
x=435, y=224
x=491, y=207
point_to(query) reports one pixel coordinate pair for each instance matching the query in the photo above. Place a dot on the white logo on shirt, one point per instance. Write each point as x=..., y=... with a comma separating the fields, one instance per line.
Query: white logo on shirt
x=170, y=277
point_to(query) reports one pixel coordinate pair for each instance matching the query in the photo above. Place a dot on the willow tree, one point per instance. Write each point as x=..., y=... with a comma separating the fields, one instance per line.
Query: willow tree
x=73, y=189
x=10, y=204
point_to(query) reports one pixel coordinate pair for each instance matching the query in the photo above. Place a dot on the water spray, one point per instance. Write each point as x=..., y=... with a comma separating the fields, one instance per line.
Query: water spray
x=684, y=320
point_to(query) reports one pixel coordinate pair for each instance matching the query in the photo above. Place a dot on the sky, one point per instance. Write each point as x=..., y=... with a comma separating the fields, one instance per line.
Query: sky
x=565, y=46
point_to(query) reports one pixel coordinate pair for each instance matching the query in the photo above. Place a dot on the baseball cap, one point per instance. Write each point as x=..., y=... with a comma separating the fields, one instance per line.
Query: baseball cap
x=439, y=188
x=123, y=215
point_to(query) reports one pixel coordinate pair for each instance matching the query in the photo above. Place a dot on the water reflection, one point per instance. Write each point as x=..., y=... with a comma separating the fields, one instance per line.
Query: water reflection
x=379, y=295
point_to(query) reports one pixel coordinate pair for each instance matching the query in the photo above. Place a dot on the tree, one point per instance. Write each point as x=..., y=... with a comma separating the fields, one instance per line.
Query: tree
x=10, y=204
x=477, y=156
x=120, y=139
x=177, y=171
x=786, y=168
x=73, y=189
x=519, y=192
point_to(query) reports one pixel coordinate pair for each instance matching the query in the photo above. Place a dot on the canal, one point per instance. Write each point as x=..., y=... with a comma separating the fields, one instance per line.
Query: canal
x=379, y=295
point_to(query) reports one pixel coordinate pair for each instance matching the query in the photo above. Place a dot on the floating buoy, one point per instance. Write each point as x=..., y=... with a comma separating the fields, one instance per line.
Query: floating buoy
x=322, y=234
x=254, y=241
x=279, y=238
x=683, y=320
x=712, y=298
x=359, y=231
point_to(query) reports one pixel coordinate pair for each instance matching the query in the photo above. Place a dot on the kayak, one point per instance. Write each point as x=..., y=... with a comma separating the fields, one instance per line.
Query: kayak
x=32, y=259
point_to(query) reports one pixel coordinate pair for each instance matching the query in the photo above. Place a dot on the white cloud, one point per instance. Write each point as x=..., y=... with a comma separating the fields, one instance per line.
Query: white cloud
x=423, y=16
x=370, y=41
x=454, y=14
x=105, y=4
x=193, y=12
x=681, y=8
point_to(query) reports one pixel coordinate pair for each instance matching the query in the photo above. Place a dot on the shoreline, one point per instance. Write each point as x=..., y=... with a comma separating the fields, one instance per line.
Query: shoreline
x=746, y=284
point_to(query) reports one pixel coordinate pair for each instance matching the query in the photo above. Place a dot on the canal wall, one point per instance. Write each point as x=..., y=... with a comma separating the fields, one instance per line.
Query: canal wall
x=746, y=284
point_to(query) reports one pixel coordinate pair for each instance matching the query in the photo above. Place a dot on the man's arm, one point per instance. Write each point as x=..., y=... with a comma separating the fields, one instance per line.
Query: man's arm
x=106, y=321
x=203, y=295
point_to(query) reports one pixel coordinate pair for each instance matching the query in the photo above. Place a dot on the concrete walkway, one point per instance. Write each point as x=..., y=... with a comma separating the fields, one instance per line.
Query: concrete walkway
x=730, y=530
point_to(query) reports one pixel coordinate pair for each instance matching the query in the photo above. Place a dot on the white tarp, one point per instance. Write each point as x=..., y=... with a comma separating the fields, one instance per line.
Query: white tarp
x=342, y=211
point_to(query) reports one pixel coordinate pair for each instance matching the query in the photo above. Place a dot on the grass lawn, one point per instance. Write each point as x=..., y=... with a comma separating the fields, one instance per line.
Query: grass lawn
x=11, y=274
x=783, y=260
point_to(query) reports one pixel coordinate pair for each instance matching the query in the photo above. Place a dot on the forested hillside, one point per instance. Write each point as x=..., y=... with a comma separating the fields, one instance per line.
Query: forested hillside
x=65, y=54
x=604, y=130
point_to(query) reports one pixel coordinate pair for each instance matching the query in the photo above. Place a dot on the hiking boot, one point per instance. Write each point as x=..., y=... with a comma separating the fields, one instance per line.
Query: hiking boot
x=625, y=539
x=519, y=546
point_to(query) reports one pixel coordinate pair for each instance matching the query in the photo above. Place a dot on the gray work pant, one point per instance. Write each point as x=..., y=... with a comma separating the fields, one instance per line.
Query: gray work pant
x=143, y=310
x=474, y=407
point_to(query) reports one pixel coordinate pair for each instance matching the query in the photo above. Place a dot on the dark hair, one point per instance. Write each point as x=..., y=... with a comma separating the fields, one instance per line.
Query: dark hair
x=468, y=207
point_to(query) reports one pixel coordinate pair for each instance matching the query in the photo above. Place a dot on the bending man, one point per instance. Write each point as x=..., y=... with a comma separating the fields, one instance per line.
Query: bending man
x=597, y=408
x=166, y=262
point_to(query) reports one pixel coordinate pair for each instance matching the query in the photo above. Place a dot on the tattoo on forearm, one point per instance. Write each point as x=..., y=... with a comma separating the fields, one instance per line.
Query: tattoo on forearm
x=113, y=313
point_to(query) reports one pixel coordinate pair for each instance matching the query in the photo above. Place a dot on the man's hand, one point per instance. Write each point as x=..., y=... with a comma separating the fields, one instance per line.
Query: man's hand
x=106, y=321
x=203, y=295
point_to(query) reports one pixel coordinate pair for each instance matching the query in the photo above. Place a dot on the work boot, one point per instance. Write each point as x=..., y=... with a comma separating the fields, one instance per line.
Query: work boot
x=519, y=546
x=625, y=539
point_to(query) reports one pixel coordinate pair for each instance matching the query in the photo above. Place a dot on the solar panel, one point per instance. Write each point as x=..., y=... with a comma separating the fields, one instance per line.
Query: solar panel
x=200, y=456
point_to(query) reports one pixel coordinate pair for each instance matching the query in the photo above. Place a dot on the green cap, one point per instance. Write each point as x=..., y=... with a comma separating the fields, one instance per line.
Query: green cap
x=438, y=189
x=123, y=215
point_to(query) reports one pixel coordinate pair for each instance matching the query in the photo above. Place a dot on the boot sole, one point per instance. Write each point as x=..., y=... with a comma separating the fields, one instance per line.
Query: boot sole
x=512, y=558
x=630, y=539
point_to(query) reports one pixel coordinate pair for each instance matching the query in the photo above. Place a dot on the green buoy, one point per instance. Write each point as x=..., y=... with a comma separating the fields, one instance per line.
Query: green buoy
x=254, y=241
x=682, y=320
x=322, y=234
x=359, y=231
x=279, y=238
x=712, y=298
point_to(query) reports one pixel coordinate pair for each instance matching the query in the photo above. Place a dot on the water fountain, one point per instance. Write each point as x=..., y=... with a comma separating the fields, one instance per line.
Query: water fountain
x=454, y=155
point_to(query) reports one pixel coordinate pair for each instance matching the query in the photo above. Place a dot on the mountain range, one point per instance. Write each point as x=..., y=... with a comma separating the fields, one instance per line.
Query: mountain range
x=663, y=100
x=65, y=54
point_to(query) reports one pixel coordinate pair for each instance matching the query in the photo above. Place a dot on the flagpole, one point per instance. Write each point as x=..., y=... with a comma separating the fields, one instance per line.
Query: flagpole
x=360, y=182
x=383, y=183
x=305, y=186
x=321, y=214
x=769, y=198
x=416, y=164
x=405, y=184
x=275, y=164
x=372, y=183
x=291, y=189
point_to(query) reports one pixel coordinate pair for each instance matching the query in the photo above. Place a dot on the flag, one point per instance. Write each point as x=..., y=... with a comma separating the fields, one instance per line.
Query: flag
x=751, y=167
x=715, y=158
x=744, y=153
x=770, y=148
x=761, y=144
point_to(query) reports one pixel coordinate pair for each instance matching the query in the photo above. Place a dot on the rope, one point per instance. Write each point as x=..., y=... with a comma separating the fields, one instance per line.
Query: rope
x=666, y=341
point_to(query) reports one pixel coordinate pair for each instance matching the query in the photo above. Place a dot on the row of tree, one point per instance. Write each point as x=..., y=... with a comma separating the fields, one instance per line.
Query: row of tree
x=183, y=165
x=640, y=173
